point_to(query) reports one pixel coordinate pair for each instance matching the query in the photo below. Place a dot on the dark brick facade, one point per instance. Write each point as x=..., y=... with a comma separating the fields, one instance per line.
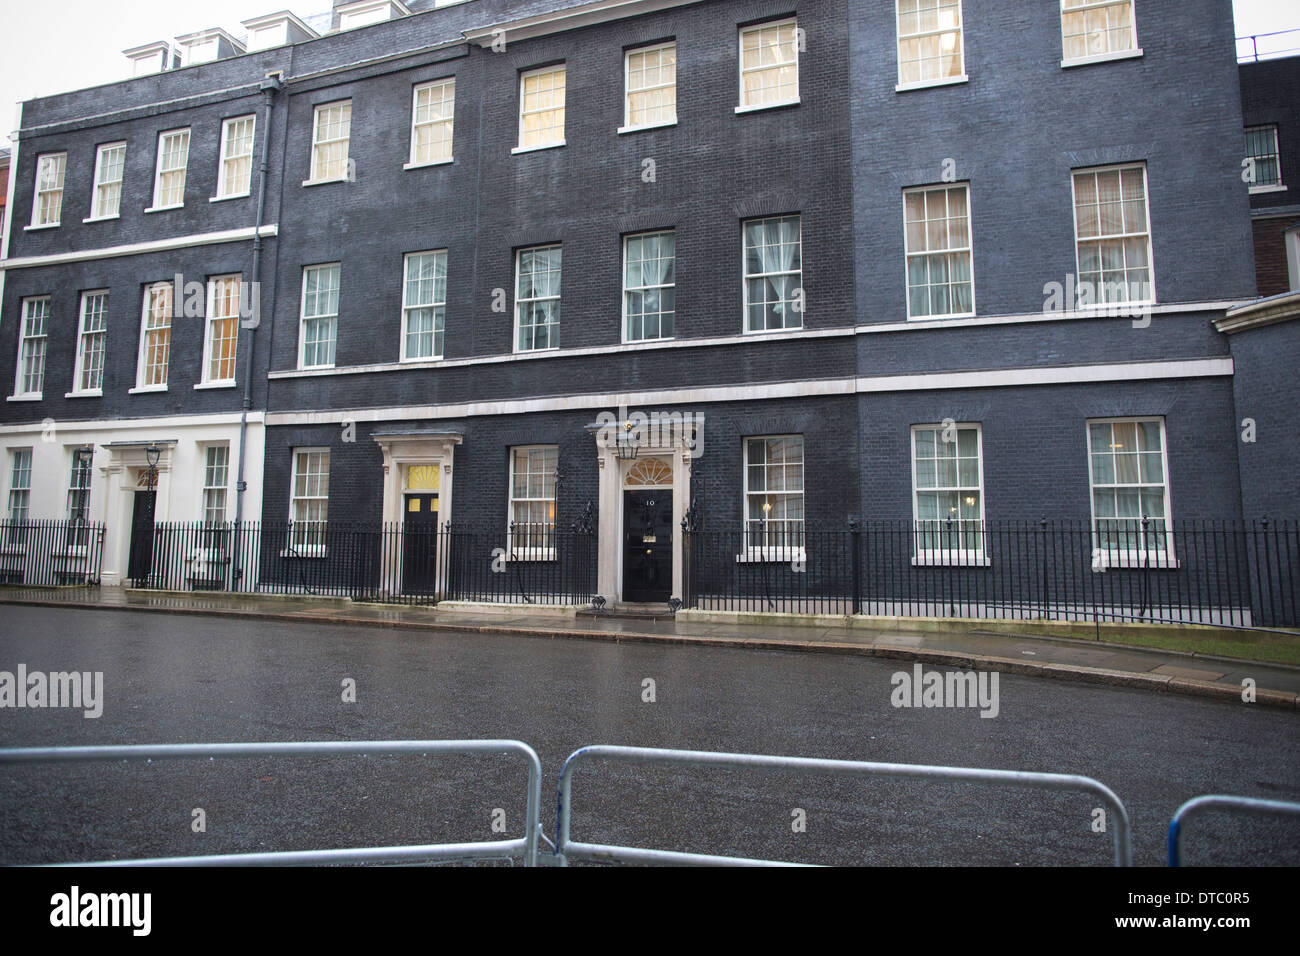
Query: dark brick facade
x=840, y=159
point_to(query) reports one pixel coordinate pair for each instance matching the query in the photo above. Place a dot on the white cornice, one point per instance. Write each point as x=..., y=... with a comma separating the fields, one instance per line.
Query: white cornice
x=1270, y=311
x=808, y=388
x=138, y=248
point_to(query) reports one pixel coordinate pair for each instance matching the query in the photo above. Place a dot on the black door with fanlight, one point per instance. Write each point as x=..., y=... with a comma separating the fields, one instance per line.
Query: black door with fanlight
x=420, y=543
x=648, y=545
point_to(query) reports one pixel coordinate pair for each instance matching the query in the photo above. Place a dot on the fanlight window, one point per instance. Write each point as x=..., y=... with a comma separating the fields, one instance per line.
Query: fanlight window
x=648, y=472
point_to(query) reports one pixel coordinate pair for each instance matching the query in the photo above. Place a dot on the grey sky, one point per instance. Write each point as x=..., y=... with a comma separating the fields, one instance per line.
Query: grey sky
x=82, y=46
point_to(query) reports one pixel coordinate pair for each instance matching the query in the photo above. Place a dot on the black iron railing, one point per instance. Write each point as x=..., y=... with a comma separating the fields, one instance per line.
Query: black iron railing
x=374, y=562
x=1231, y=574
x=51, y=552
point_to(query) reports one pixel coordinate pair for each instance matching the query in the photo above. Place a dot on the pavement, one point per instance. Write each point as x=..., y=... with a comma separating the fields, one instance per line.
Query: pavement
x=1197, y=675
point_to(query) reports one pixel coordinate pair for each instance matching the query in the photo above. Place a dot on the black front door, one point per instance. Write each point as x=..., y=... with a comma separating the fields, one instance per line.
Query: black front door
x=420, y=544
x=647, y=545
x=139, y=564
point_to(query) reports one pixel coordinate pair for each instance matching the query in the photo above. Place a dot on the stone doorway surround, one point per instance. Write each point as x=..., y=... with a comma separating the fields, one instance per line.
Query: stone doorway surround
x=673, y=443
x=407, y=453
x=126, y=462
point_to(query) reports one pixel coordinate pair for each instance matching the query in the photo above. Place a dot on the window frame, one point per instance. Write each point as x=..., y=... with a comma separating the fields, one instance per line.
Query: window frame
x=628, y=126
x=98, y=183
x=78, y=534
x=531, y=552
x=969, y=249
x=745, y=277
x=16, y=537
x=307, y=550
x=1134, y=51
x=21, y=375
x=142, y=359
x=207, y=490
x=224, y=157
x=626, y=339
x=439, y=334
x=313, y=173
x=517, y=325
x=1127, y=558
x=764, y=552
x=1074, y=219
x=60, y=158
x=524, y=75
x=744, y=107
x=1280, y=185
x=303, y=317
x=159, y=171
x=211, y=318
x=947, y=557
x=902, y=86
x=79, y=390
x=413, y=162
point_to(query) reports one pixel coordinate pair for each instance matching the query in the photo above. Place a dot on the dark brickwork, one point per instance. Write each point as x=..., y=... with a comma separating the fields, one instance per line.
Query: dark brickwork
x=1266, y=390
x=840, y=159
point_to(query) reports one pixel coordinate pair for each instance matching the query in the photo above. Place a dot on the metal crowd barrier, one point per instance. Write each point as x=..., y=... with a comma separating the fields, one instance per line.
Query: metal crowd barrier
x=1219, y=802
x=566, y=847
x=525, y=846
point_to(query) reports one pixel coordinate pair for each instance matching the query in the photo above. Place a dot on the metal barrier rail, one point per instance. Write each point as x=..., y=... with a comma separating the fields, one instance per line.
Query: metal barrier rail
x=1220, y=802
x=525, y=846
x=566, y=847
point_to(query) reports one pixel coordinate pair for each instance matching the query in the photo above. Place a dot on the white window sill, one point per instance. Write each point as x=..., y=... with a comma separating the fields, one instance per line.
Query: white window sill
x=436, y=162
x=1102, y=58
x=206, y=385
x=143, y=389
x=1135, y=561
x=88, y=393
x=1267, y=189
x=31, y=397
x=48, y=225
x=305, y=553
x=549, y=348
x=533, y=149
x=116, y=215
x=421, y=361
x=767, y=106
x=231, y=196
x=530, y=554
x=324, y=182
x=790, y=328
x=665, y=338
x=1119, y=309
x=927, y=84
x=624, y=130
x=772, y=556
x=950, y=560
x=314, y=368
x=180, y=205
x=939, y=318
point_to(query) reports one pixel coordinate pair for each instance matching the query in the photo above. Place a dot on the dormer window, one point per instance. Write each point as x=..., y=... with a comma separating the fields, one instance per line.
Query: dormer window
x=208, y=45
x=151, y=58
x=276, y=29
x=365, y=12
